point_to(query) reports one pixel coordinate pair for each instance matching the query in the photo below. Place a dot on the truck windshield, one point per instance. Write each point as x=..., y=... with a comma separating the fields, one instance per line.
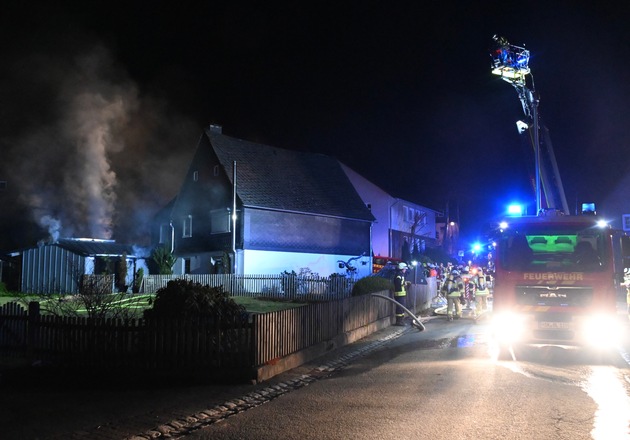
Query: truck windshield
x=558, y=249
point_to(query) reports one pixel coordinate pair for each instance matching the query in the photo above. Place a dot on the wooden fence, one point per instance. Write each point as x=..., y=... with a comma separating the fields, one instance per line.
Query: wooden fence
x=213, y=346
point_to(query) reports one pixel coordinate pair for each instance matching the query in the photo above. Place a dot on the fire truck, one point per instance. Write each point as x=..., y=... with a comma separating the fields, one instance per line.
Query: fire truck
x=558, y=278
x=558, y=281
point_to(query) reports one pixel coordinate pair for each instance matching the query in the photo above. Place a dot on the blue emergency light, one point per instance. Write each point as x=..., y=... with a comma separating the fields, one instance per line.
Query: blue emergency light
x=515, y=209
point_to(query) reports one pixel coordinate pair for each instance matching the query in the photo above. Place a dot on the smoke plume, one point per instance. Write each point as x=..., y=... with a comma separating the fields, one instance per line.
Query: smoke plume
x=93, y=159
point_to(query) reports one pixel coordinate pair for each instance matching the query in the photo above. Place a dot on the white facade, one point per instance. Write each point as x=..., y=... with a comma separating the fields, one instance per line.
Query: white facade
x=274, y=263
x=393, y=216
x=259, y=262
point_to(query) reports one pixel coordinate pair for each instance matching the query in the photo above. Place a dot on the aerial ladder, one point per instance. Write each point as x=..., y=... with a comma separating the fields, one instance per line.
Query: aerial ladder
x=511, y=63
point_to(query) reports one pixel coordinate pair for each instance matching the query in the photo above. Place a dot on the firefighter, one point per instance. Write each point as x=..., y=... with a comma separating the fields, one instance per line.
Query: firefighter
x=400, y=294
x=452, y=289
x=469, y=294
x=481, y=293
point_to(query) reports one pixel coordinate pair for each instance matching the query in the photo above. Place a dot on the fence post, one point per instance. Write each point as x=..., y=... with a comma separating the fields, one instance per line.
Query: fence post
x=32, y=329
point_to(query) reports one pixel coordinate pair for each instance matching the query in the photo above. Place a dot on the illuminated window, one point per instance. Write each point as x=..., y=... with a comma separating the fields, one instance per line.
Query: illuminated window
x=187, y=227
x=626, y=222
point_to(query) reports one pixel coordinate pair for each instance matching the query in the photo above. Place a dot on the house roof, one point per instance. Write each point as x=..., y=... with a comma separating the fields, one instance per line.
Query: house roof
x=87, y=247
x=275, y=178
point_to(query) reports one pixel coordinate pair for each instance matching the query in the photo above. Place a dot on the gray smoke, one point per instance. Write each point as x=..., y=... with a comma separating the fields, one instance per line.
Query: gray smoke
x=94, y=160
x=52, y=225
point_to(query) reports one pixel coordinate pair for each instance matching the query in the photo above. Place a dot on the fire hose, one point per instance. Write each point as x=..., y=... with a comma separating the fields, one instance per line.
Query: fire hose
x=415, y=321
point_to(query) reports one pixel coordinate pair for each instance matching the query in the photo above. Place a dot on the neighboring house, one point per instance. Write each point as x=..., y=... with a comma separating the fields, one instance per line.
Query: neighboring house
x=397, y=221
x=56, y=267
x=447, y=236
x=249, y=208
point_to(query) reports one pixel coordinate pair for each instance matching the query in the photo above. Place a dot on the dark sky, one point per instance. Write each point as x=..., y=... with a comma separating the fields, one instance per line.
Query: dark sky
x=103, y=104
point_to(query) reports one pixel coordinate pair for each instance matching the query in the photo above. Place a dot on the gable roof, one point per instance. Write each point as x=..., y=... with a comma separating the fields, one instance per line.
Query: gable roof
x=274, y=178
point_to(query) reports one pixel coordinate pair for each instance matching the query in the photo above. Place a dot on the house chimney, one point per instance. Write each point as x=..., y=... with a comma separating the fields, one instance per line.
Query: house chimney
x=216, y=128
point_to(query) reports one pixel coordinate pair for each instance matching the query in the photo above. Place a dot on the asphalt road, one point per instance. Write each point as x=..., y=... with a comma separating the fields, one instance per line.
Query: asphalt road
x=442, y=383
x=445, y=384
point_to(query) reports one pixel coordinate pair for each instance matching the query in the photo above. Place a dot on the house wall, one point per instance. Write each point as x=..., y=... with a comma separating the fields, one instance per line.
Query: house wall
x=205, y=189
x=378, y=201
x=273, y=263
x=292, y=232
x=394, y=218
x=296, y=240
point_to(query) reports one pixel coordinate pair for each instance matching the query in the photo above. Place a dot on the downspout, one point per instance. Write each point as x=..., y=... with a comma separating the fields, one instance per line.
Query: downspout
x=172, y=236
x=234, y=266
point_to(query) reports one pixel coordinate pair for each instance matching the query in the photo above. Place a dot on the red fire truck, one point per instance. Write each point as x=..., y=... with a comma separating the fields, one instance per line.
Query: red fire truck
x=557, y=282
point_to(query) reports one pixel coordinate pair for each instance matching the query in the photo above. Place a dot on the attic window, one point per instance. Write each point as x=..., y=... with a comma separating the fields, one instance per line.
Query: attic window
x=187, y=227
x=216, y=170
x=195, y=176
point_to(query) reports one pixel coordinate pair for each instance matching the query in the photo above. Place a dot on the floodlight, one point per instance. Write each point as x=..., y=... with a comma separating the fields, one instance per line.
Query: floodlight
x=522, y=127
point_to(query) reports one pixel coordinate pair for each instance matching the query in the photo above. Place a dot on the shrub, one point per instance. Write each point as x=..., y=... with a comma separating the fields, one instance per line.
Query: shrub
x=187, y=299
x=370, y=284
x=163, y=259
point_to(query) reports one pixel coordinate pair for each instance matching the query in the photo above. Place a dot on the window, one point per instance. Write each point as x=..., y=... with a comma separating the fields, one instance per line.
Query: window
x=216, y=170
x=626, y=222
x=219, y=221
x=187, y=227
x=413, y=215
x=195, y=176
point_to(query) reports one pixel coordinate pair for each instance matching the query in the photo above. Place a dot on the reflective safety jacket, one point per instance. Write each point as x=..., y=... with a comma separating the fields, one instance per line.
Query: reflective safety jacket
x=399, y=285
x=481, y=286
x=453, y=286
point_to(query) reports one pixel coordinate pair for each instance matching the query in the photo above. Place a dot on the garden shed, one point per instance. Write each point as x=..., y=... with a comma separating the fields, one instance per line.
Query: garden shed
x=57, y=267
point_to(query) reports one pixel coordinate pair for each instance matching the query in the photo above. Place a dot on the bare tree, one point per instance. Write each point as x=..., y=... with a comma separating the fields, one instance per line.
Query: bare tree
x=95, y=297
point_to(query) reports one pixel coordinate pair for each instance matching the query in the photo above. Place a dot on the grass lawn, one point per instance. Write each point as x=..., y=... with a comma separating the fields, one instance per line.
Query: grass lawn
x=141, y=302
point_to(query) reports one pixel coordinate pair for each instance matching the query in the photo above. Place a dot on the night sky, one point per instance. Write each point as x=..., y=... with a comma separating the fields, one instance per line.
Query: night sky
x=103, y=103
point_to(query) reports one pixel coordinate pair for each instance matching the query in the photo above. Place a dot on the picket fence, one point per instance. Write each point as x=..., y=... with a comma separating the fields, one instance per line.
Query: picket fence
x=285, y=287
